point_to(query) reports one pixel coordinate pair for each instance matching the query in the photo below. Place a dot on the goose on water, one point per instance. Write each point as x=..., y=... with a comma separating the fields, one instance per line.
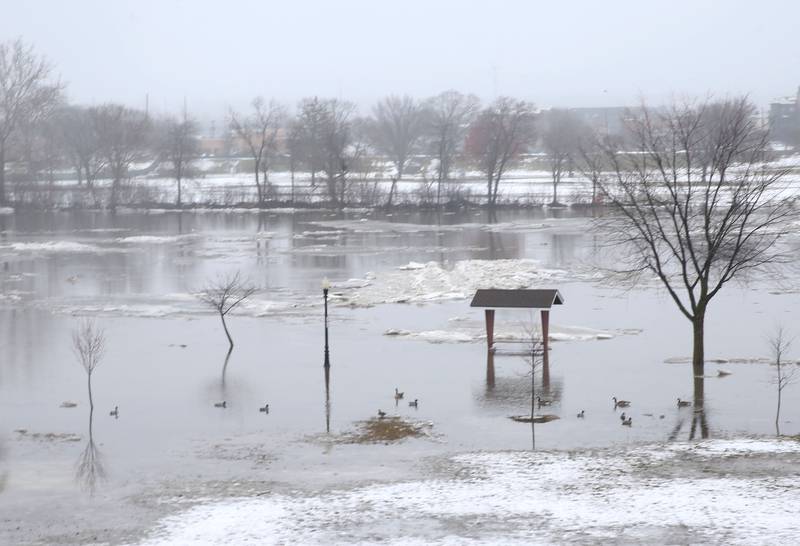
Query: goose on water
x=620, y=403
x=222, y=404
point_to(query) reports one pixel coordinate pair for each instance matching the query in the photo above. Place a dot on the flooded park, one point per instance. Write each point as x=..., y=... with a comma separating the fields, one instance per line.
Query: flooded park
x=399, y=319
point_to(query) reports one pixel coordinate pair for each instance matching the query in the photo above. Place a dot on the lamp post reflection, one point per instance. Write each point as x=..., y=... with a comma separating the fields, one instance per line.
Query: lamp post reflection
x=325, y=287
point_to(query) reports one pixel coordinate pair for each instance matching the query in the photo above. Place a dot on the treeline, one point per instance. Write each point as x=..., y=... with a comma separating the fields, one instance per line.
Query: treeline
x=326, y=145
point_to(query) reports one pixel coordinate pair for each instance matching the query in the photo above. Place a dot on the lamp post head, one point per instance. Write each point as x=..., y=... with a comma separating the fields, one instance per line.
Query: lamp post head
x=326, y=284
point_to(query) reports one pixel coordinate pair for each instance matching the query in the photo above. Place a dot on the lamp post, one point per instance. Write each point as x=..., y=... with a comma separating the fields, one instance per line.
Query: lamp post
x=325, y=287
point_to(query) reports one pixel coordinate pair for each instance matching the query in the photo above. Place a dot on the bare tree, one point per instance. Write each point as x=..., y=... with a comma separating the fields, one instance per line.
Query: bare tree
x=259, y=134
x=180, y=148
x=224, y=295
x=294, y=149
x=77, y=130
x=89, y=345
x=396, y=130
x=25, y=92
x=496, y=139
x=450, y=114
x=310, y=145
x=780, y=345
x=561, y=142
x=123, y=135
x=591, y=159
x=696, y=206
x=334, y=140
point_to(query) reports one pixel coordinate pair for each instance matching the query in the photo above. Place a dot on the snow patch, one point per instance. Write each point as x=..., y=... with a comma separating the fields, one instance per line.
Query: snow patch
x=528, y=498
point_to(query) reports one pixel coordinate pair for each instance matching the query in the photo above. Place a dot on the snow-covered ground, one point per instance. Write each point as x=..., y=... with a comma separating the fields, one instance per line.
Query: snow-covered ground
x=226, y=182
x=715, y=492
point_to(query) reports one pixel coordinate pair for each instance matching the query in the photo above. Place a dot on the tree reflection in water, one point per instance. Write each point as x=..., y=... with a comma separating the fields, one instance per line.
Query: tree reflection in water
x=699, y=423
x=89, y=471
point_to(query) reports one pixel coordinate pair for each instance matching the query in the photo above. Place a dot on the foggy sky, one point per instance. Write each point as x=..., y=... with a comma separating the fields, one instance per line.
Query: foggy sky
x=555, y=53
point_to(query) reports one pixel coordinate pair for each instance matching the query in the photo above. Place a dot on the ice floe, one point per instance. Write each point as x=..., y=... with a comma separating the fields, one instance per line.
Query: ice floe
x=473, y=333
x=433, y=281
x=51, y=246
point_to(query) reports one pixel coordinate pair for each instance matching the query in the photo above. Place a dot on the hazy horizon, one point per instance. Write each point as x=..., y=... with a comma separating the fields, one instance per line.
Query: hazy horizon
x=574, y=54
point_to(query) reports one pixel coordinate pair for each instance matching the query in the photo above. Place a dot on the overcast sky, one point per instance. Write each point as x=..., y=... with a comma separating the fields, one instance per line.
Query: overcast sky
x=555, y=53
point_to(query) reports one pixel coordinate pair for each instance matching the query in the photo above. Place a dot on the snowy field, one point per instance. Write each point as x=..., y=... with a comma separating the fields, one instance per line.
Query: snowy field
x=228, y=182
x=715, y=492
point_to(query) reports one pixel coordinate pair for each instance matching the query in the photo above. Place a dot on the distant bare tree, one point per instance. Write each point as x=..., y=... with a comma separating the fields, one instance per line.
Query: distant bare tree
x=696, y=205
x=80, y=141
x=310, y=145
x=26, y=91
x=89, y=345
x=224, y=295
x=450, y=114
x=592, y=157
x=780, y=345
x=180, y=148
x=259, y=133
x=123, y=134
x=561, y=143
x=340, y=150
x=294, y=149
x=396, y=130
x=501, y=132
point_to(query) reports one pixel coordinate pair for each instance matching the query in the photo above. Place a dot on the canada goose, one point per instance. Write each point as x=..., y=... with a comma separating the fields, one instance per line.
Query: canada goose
x=683, y=403
x=381, y=414
x=414, y=404
x=627, y=422
x=620, y=403
x=541, y=402
x=68, y=404
x=622, y=417
x=115, y=412
x=398, y=395
x=222, y=404
x=265, y=409
x=580, y=415
x=722, y=373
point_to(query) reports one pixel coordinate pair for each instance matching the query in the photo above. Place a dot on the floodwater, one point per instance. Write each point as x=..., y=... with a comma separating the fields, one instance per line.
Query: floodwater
x=165, y=364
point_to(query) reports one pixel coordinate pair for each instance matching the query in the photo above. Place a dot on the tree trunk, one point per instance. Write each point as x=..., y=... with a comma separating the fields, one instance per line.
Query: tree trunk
x=778, y=409
x=227, y=333
x=391, y=192
x=291, y=168
x=258, y=183
x=555, y=190
x=89, y=381
x=179, y=191
x=698, y=354
x=2, y=174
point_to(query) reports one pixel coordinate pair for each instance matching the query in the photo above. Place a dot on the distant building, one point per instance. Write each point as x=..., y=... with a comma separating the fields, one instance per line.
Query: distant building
x=784, y=119
x=604, y=120
x=213, y=146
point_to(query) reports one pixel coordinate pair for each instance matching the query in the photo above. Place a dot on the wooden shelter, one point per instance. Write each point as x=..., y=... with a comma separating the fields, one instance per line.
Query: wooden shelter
x=542, y=299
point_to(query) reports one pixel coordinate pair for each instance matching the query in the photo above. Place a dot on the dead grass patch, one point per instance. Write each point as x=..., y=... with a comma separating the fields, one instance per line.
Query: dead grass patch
x=537, y=419
x=386, y=430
